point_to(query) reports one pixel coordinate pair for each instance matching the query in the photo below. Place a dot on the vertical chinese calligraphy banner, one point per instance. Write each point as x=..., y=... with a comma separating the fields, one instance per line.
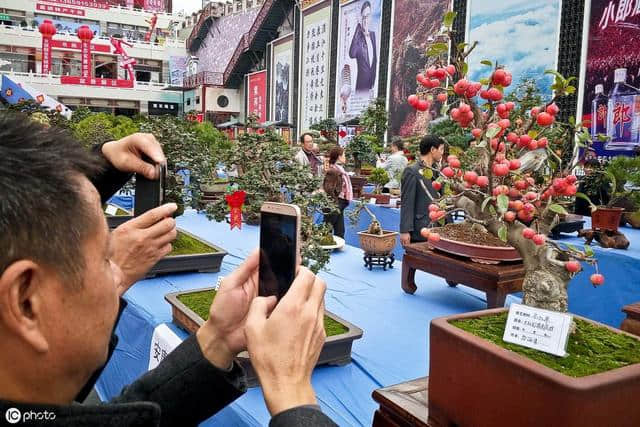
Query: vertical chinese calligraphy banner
x=613, y=44
x=314, y=65
x=523, y=35
x=359, y=32
x=415, y=25
x=281, y=79
x=257, y=95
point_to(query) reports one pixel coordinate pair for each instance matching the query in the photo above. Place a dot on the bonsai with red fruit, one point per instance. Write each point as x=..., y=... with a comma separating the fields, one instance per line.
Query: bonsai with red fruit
x=517, y=185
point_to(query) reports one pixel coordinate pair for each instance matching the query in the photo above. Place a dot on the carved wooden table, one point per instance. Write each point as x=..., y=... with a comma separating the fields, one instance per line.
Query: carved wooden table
x=497, y=281
x=402, y=404
x=632, y=323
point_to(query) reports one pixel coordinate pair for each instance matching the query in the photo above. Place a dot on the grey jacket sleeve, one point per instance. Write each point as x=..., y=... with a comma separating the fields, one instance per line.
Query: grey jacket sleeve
x=302, y=416
x=407, y=208
x=188, y=388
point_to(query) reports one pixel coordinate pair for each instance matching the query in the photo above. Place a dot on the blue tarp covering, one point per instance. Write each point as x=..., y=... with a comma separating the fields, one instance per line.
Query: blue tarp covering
x=395, y=346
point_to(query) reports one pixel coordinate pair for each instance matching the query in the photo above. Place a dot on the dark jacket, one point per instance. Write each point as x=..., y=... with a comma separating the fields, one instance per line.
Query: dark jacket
x=367, y=67
x=183, y=390
x=414, y=210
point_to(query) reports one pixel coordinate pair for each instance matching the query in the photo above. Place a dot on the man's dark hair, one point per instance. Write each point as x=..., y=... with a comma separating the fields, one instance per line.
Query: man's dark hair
x=305, y=134
x=397, y=142
x=44, y=216
x=428, y=142
x=365, y=5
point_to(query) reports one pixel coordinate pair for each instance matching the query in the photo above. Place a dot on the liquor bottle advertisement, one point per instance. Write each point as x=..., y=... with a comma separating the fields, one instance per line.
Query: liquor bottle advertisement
x=611, y=106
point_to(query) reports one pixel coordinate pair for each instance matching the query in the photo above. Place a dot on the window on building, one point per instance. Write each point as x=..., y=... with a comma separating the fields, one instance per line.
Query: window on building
x=188, y=101
x=197, y=100
x=238, y=5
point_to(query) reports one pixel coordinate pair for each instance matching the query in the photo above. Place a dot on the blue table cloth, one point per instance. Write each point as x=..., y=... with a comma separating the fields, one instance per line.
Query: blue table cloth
x=395, y=345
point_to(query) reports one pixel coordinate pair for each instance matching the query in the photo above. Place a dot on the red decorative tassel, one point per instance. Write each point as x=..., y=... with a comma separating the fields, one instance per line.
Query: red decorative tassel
x=235, y=202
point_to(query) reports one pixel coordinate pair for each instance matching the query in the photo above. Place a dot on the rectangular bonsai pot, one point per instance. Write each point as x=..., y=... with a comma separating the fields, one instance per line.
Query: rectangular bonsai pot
x=474, y=382
x=336, y=350
x=202, y=263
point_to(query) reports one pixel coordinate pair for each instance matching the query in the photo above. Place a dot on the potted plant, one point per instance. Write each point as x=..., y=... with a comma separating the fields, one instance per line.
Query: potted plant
x=374, y=241
x=624, y=173
x=190, y=253
x=191, y=308
x=379, y=178
x=519, y=176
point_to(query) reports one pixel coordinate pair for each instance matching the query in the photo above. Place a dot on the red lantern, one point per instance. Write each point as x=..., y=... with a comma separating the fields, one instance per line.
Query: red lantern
x=48, y=30
x=84, y=33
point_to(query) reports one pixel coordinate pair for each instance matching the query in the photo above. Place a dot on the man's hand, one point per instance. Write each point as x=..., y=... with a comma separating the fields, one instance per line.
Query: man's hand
x=222, y=336
x=405, y=238
x=126, y=154
x=284, y=343
x=138, y=244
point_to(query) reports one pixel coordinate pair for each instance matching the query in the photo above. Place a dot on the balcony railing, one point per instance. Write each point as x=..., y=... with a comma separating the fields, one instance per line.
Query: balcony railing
x=203, y=78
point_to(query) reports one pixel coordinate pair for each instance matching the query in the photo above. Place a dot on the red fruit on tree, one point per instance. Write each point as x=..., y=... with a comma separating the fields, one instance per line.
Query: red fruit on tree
x=502, y=108
x=553, y=109
x=470, y=93
x=507, y=79
x=539, y=239
x=503, y=189
x=500, y=157
x=435, y=82
x=572, y=266
x=531, y=195
x=597, y=279
x=420, y=78
x=434, y=237
x=545, y=119
x=440, y=73
x=469, y=115
x=533, y=145
x=504, y=115
x=464, y=107
x=450, y=157
x=482, y=181
x=559, y=185
x=543, y=142
x=477, y=133
x=436, y=185
x=501, y=170
x=509, y=216
x=521, y=184
x=528, y=233
x=435, y=215
x=433, y=207
x=502, y=147
x=528, y=207
x=484, y=94
x=571, y=179
x=510, y=105
x=514, y=164
x=498, y=77
x=514, y=193
x=431, y=71
x=448, y=172
x=455, y=163
x=413, y=100
x=571, y=190
x=455, y=114
x=495, y=94
x=504, y=123
x=512, y=137
x=442, y=97
x=494, y=143
x=422, y=105
x=524, y=216
x=531, y=181
x=524, y=140
x=518, y=205
x=470, y=177
x=451, y=69
x=535, y=111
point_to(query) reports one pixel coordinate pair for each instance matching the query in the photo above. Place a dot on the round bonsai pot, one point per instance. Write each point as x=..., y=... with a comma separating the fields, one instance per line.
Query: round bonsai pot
x=478, y=253
x=381, y=199
x=375, y=244
x=606, y=218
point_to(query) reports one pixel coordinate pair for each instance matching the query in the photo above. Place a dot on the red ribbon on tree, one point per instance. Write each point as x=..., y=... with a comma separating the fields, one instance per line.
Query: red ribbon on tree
x=235, y=202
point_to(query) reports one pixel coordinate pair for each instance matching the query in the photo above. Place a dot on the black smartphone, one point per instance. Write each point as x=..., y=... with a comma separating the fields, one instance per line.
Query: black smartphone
x=279, y=247
x=150, y=192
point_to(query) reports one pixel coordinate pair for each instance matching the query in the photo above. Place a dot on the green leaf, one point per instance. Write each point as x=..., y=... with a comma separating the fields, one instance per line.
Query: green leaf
x=588, y=251
x=554, y=207
x=448, y=19
x=532, y=133
x=572, y=121
x=569, y=90
x=503, y=203
x=492, y=211
x=465, y=68
x=484, y=203
x=573, y=248
x=493, y=132
x=485, y=81
x=502, y=233
x=461, y=46
x=487, y=63
x=437, y=48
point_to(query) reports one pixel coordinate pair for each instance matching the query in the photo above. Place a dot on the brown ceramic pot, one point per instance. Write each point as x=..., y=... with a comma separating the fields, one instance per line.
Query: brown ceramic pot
x=473, y=382
x=357, y=182
x=374, y=244
x=478, y=253
x=606, y=219
x=381, y=199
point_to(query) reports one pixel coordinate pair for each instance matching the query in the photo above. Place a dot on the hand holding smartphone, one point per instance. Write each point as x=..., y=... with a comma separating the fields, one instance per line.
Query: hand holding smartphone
x=150, y=192
x=279, y=247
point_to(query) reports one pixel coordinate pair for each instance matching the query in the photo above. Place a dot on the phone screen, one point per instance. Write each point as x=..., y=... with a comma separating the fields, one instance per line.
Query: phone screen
x=278, y=235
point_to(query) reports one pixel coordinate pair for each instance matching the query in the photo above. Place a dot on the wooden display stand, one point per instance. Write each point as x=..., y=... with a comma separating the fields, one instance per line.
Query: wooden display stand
x=497, y=281
x=403, y=404
x=632, y=323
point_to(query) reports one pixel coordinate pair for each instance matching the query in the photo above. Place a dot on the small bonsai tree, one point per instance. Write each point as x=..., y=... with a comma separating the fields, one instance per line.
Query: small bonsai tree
x=375, y=121
x=519, y=182
x=374, y=226
x=379, y=177
x=360, y=150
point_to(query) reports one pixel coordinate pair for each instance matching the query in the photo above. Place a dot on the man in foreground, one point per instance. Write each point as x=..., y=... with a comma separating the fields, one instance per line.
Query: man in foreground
x=59, y=298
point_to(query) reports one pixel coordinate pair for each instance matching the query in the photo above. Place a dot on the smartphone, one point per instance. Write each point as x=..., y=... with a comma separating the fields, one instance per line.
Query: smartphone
x=150, y=192
x=279, y=247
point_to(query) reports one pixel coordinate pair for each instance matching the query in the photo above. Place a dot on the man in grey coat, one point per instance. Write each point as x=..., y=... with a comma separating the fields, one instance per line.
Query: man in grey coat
x=418, y=192
x=59, y=301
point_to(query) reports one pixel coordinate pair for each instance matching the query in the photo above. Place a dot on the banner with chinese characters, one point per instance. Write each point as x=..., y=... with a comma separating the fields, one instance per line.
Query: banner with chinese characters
x=611, y=95
x=522, y=35
x=177, y=69
x=359, y=33
x=281, y=78
x=257, y=95
x=314, y=66
x=415, y=25
x=59, y=9
x=154, y=5
x=82, y=3
x=67, y=26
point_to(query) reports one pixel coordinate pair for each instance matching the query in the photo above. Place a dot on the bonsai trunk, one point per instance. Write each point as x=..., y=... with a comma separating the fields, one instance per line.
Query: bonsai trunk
x=357, y=165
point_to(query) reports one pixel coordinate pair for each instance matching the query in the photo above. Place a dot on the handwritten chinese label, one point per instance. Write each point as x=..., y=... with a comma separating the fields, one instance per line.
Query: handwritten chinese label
x=542, y=330
x=163, y=342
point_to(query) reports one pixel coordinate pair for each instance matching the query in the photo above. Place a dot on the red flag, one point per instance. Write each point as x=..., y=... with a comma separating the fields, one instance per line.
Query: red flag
x=235, y=202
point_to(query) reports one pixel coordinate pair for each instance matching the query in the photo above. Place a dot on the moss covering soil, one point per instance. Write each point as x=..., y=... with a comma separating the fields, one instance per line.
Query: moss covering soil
x=200, y=302
x=591, y=349
x=187, y=245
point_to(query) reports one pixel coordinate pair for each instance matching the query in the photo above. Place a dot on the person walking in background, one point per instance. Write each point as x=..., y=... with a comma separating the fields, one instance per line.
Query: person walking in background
x=394, y=165
x=306, y=156
x=339, y=190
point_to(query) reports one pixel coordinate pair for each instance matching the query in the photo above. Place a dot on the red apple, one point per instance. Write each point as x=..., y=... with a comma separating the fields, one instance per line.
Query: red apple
x=571, y=179
x=502, y=108
x=528, y=233
x=464, y=108
x=435, y=215
x=544, y=119
x=477, y=133
x=482, y=181
x=471, y=177
x=423, y=105
x=484, y=94
x=531, y=195
x=455, y=114
x=512, y=137
x=521, y=184
x=495, y=94
x=597, y=279
x=434, y=237
x=433, y=207
x=504, y=123
x=531, y=181
x=448, y=172
x=514, y=164
x=533, y=145
x=498, y=77
x=517, y=205
x=553, y=109
x=509, y=216
x=524, y=216
x=510, y=106
x=571, y=190
x=539, y=239
x=435, y=82
x=440, y=73
x=514, y=193
x=442, y=97
x=501, y=170
x=535, y=111
x=543, y=142
x=436, y=185
x=420, y=77
x=413, y=100
x=528, y=207
x=524, y=141
x=451, y=69
x=572, y=266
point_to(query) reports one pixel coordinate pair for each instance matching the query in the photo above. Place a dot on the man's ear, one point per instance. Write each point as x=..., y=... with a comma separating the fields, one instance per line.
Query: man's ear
x=22, y=301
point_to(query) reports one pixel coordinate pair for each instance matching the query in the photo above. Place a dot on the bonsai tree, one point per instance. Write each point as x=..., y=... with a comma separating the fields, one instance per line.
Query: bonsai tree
x=375, y=120
x=327, y=129
x=360, y=150
x=513, y=182
x=267, y=171
x=379, y=177
x=374, y=226
x=217, y=143
x=624, y=171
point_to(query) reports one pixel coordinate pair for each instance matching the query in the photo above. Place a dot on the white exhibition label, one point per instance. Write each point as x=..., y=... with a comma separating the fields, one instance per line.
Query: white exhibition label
x=543, y=330
x=111, y=210
x=373, y=200
x=163, y=342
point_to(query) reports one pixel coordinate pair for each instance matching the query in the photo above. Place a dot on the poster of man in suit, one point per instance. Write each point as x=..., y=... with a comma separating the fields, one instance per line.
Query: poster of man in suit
x=282, y=73
x=358, y=56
